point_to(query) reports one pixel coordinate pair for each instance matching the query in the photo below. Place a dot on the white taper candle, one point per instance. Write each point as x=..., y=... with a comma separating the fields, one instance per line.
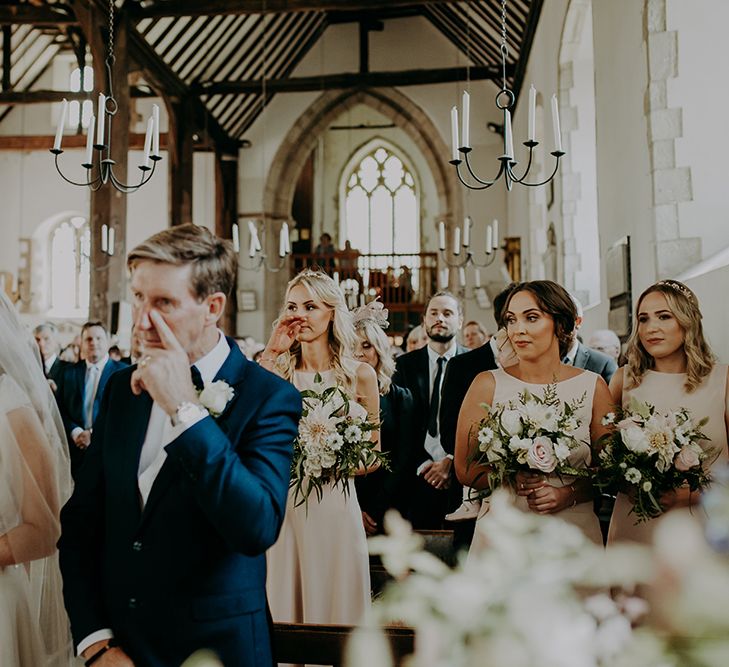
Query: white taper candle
x=555, y=124
x=148, y=141
x=489, y=240
x=457, y=241
x=441, y=236
x=532, y=113
x=495, y=237
x=100, y=120
x=155, y=135
x=61, y=125
x=454, y=134
x=90, y=143
x=467, y=231
x=465, y=122
x=508, y=138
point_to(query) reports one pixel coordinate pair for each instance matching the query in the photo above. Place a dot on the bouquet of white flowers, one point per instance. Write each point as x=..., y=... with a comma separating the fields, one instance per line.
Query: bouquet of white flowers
x=652, y=453
x=534, y=433
x=331, y=445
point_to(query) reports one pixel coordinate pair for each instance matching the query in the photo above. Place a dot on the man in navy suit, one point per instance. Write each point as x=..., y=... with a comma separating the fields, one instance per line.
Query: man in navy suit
x=163, y=540
x=80, y=387
x=431, y=488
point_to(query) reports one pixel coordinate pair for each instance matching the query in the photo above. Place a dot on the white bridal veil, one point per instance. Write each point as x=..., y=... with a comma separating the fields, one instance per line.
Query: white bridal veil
x=35, y=481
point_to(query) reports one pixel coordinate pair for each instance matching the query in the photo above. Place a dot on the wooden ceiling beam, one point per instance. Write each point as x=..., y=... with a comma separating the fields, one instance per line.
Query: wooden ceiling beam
x=351, y=80
x=39, y=142
x=31, y=15
x=208, y=7
x=51, y=96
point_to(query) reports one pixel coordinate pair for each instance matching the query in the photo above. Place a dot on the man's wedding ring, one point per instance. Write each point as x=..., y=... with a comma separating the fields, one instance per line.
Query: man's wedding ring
x=144, y=362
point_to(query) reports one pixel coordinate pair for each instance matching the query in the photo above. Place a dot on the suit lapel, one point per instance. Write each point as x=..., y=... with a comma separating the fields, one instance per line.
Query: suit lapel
x=233, y=371
x=423, y=375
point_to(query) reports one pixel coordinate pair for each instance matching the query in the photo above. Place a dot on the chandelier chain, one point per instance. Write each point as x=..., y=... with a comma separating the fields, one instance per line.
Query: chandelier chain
x=504, y=45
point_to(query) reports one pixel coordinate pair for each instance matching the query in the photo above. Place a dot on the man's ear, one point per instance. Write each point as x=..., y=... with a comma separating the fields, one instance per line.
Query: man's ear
x=578, y=322
x=216, y=307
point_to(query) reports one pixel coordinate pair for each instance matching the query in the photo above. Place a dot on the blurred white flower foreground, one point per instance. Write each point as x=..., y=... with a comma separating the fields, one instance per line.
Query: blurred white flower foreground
x=540, y=597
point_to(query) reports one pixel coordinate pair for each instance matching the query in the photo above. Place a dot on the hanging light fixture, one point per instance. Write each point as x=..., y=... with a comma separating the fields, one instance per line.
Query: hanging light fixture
x=462, y=255
x=98, y=162
x=505, y=100
x=257, y=243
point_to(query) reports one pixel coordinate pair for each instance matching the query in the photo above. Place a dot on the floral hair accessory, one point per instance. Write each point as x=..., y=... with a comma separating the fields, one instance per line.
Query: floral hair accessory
x=678, y=287
x=374, y=311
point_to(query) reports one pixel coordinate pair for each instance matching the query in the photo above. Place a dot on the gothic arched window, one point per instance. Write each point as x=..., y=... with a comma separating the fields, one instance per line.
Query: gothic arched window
x=381, y=201
x=70, y=267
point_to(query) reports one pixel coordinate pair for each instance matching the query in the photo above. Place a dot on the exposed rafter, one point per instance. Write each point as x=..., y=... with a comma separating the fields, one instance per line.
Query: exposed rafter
x=210, y=7
x=51, y=96
x=349, y=80
x=38, y=16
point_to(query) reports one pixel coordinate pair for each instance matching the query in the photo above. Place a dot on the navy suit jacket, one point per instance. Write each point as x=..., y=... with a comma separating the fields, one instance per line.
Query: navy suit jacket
x=188, y=571
x=595, y=361
x=71, y=387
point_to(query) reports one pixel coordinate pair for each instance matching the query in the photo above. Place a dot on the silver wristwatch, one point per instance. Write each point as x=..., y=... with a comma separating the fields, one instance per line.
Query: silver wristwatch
x=188, y=413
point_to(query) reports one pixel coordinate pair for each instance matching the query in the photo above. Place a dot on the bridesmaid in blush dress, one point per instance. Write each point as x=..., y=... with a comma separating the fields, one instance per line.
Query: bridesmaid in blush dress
x=671, y=366
x=540, y=319
x=318, y=570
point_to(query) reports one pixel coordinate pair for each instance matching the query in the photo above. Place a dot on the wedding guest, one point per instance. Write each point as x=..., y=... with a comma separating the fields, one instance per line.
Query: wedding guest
x=474, y=334
x=581, y=356
x=46, y=336
x=324, y=252
x=382, y=489
x=34, y=481
x=416, y=339
x=605, y=341
x=181, y=493
x=540, y=325
x=80, y=388
x=671, y=366
x=429, y=482
x=318, y=570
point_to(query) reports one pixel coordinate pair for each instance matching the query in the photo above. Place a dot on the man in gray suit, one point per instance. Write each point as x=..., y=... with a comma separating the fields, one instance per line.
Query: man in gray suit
x=581, y=356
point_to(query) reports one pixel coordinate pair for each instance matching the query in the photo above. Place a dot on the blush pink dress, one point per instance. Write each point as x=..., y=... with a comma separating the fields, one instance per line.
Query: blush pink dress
x=581, y=515
x=666, y=392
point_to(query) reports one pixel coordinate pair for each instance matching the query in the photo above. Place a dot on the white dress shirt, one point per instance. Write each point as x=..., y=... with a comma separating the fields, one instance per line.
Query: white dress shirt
x=48, y=363
x=569, y=358
x=161, y=432
x=432, y=442
x=99, y=365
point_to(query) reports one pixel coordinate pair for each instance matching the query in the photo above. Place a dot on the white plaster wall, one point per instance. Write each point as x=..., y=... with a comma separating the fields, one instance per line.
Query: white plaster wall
x=710, y=289
x=700, y=91
x=624, y=192
x=542, y=71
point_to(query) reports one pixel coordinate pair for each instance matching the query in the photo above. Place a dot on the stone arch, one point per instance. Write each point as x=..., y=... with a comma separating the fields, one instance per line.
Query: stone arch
x=401, y=110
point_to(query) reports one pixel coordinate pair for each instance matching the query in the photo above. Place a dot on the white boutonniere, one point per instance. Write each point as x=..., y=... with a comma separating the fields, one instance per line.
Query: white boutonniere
x=215, y=396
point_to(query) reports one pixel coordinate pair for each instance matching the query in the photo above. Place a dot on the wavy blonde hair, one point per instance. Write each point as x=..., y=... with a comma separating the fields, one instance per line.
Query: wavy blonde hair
x=375, y=336
x=342, y=337
x=684, y=306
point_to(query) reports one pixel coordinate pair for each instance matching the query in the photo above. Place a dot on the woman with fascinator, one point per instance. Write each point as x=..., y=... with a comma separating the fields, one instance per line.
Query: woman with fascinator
x=539, y=319
x=318, y=570
x=35, y=481
x=671, y=366
x=380, y=490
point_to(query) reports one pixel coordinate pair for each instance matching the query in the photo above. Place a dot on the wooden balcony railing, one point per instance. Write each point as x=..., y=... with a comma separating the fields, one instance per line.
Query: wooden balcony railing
x=403, y=282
